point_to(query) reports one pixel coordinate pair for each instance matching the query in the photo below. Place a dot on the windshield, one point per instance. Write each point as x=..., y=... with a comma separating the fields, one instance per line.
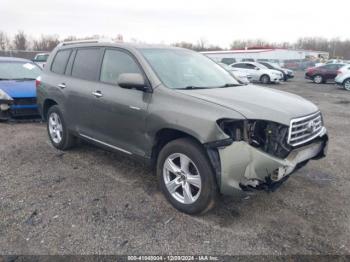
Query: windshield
x=183, y=69
x=18, y=70
x=41, y=58
x=276, y=65
x=261, y=66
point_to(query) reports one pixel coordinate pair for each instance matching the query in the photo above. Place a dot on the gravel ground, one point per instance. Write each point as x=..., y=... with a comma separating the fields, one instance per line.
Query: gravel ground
x=88, y=201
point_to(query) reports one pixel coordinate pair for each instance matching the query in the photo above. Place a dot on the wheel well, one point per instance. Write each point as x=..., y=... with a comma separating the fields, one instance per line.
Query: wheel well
x=264, y=75
x=163, y=137
x=47, y=104
x=346, y=80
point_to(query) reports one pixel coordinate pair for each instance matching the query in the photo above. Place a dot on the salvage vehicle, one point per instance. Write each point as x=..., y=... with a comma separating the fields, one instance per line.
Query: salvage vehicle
x=287, y=73
x=258, y=72
x=324, y=73
x=203, y=131
x=17, y=88
x=40, y=59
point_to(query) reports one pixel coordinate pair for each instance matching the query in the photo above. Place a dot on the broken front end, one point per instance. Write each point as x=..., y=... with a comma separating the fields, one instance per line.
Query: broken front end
x=5, y=102
x=262, y=154
x=17, y=107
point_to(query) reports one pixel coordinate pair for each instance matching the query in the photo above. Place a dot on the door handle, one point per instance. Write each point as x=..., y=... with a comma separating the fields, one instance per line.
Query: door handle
x=62, y=85
x=97, y=94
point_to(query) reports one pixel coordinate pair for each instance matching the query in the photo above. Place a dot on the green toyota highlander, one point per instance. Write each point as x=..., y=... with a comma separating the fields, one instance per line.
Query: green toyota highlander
x=204, y=132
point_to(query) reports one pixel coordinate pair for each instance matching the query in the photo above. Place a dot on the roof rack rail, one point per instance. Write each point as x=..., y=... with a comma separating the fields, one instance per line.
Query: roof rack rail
x=104, y=40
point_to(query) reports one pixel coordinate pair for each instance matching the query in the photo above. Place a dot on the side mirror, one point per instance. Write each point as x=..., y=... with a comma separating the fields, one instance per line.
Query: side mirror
x=257, y=68
x=132, y=80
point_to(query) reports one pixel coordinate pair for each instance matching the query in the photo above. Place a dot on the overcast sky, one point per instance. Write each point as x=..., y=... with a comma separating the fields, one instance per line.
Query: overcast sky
x=161, y=21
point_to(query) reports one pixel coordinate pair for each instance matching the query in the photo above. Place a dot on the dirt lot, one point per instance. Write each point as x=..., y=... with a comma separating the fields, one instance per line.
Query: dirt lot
x=88, y=201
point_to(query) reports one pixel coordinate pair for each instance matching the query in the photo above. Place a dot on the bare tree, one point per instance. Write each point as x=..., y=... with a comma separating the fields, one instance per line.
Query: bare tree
x=201, y=44
x=20, y=41
x=250, y=43
x=70, y=38
x=4, y=41
x=184, y=44
x=46, y=43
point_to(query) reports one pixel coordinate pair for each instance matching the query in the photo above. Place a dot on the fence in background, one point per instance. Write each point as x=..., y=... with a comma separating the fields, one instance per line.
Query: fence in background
x=20, y=53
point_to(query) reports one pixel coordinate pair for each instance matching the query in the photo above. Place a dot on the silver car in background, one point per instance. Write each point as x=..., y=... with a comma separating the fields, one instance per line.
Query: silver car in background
x=240, y=75
x=258, y=72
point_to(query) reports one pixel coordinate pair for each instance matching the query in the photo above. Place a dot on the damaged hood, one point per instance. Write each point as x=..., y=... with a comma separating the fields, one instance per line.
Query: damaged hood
x=19, y=88
x=255, y=102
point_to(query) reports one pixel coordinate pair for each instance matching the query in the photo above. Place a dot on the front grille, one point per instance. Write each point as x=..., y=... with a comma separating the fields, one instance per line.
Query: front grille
x=304, y=129
x=24, y=101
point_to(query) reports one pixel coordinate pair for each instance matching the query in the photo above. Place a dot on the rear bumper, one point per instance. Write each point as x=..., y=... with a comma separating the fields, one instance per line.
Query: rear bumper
x=243, y=166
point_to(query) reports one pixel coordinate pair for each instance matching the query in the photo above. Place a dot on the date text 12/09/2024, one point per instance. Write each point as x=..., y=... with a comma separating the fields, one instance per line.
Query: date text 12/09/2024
x=172, y=258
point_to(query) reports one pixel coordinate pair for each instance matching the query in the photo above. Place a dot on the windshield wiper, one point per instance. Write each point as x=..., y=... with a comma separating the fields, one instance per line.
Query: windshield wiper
x=194, y=87
x=229, y=85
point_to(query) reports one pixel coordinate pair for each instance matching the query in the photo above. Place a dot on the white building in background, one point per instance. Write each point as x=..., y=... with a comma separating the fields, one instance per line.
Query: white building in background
x=278, y=55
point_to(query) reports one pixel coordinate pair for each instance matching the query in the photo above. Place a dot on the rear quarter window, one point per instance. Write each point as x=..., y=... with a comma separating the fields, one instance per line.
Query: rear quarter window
x=86, y=64
x=60, y=61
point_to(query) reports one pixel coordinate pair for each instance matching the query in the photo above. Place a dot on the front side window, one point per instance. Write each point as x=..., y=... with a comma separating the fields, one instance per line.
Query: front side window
x=239, y=65
x=250, y=66
x=18, y=71
x=60, y=61
x=86, y=64
x=116, y=62
x=181, y=69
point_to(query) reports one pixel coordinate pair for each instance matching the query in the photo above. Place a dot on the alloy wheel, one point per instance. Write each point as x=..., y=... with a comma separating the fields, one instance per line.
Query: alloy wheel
x=182, y=178
x=318, y=79
x=347, y=84
x=265, y=79
x=55, y=128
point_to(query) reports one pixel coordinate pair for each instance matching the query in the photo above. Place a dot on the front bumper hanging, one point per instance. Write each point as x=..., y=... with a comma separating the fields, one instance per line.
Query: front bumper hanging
x=243, y=166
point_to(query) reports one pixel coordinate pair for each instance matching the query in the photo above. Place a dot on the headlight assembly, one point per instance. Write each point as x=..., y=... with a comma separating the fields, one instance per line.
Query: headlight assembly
x=4, y=97
x=267, y=136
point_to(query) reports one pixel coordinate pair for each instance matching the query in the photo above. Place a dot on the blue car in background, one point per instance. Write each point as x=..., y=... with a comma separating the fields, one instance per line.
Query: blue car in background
x=17, y=88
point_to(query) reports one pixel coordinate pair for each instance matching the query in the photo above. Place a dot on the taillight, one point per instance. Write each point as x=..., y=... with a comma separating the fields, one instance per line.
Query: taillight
x=38, y=81
x=338, y=72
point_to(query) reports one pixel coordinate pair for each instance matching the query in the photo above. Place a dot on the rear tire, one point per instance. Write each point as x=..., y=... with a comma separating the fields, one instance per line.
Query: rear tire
x=265, y=79
x=57, y=129
x=318, y=79
x=186, y=176
x=346, y=84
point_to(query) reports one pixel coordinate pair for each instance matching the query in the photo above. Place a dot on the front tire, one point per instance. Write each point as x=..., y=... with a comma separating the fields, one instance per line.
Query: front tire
x=57, y=129
x=265, y=79
x=186, y=176
x=346, y=84
x=318, y=79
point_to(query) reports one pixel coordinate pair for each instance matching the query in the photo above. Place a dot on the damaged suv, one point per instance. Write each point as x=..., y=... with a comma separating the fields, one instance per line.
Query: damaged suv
x=202, y=130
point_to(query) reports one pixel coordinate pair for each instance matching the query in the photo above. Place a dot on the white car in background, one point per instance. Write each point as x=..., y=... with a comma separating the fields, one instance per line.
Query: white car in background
x=240, y=75
x=40, y=59
x=343, y=77
x=258, y=72
x=344, y=69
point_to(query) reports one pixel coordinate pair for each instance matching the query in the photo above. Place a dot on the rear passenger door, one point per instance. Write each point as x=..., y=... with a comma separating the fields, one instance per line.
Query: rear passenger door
x=83, y=69
x=119, y=114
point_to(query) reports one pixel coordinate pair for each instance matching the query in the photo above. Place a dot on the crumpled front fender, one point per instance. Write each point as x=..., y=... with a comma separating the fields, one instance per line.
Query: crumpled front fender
x=245, y=165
